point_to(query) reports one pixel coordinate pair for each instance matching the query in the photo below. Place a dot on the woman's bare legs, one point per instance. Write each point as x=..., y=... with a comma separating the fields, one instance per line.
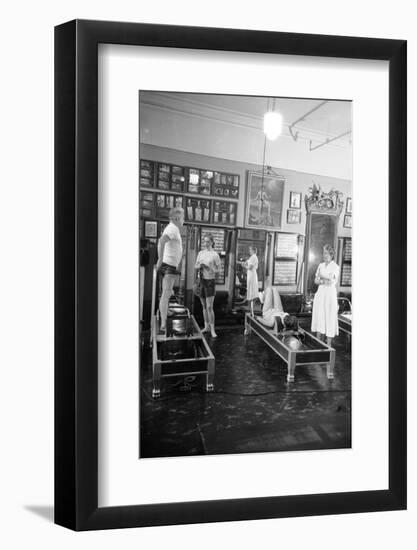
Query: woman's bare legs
x=210, y=313
x=205, y=315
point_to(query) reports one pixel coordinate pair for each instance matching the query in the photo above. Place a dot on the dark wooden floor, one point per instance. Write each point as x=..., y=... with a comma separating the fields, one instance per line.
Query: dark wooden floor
x=253, y=408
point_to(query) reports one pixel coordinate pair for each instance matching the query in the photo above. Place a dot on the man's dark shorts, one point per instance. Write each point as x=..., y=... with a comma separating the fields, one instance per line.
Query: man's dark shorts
x=167, y=269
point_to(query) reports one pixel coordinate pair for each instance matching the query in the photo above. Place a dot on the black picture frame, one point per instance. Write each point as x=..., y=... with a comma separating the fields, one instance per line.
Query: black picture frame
x=295, y=199
x=293, y=217
x=347, y=221
x=151, y=229
x=76, y=270
x=349, y=205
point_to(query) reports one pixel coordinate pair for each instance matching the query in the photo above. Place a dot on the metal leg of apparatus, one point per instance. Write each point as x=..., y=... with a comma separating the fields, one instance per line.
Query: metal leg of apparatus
x=330, y=365
x=156, y=392
x=210, y=375
x=291, y=366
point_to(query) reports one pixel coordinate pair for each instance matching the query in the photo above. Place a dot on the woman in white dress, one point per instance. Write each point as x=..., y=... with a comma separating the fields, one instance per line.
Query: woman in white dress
x=252, y=287
x=324, y=319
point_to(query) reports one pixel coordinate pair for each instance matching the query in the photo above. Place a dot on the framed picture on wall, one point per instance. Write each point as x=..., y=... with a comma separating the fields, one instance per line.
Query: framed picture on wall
x=295, y=199
x=264, y=196
x=101, y=481
x=293, y=216
x=347, y=221
x=349, y=205
x=151, y=229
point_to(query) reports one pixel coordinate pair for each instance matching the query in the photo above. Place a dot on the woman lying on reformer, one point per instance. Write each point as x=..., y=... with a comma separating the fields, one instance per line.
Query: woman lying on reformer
x=272, y=308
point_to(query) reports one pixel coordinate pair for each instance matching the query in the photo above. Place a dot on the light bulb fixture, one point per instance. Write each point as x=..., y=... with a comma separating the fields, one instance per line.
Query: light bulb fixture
x=272, y=122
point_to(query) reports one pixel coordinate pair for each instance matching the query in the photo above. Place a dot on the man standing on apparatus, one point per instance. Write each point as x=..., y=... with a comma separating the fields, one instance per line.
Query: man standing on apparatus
x=169, y=259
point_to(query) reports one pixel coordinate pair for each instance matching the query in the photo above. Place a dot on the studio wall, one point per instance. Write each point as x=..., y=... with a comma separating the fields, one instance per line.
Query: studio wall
x=294, y=181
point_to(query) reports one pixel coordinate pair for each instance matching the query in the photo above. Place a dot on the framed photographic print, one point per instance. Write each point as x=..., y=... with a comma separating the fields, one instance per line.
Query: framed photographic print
x=293, y=216
x=224, y=213
x=295, y=199
x=347, y=221
x=264, y=201
x=104, y=476
x=198, y=210
x=349, y=205
x=151, y=229
x=146, y=173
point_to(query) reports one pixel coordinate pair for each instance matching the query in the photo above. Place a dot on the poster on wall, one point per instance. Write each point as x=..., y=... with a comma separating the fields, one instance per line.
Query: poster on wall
x=264, y=200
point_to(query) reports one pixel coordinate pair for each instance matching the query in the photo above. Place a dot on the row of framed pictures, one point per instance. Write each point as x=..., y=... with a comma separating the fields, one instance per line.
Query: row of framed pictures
x=197, y=210
x=181, y=179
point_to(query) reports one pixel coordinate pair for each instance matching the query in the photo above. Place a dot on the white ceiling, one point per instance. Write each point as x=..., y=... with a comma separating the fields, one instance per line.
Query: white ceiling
x=231, y=127
x=329, y=120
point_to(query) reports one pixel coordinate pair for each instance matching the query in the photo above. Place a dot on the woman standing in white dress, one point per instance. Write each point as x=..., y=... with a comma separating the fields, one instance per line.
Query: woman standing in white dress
x=324, y=319
x=252, y=287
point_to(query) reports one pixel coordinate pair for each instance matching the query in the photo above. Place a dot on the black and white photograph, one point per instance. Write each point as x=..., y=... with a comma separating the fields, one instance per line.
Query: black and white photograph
x=349, y=205
x=179, y=242
x=151, y=229
x=246, y=305
x=295, y=199
x=293, y=216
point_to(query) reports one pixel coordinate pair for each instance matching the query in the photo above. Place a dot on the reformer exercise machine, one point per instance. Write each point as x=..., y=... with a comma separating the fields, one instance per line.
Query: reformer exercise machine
x=345, y=316
x=181, y=350
x=295, y=350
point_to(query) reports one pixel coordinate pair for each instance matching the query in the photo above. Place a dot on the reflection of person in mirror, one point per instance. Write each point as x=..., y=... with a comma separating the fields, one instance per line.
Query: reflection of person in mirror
x=252, y=287
x=263, y=203
x=208, y=264
x=169, y=259
x=324, y=318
